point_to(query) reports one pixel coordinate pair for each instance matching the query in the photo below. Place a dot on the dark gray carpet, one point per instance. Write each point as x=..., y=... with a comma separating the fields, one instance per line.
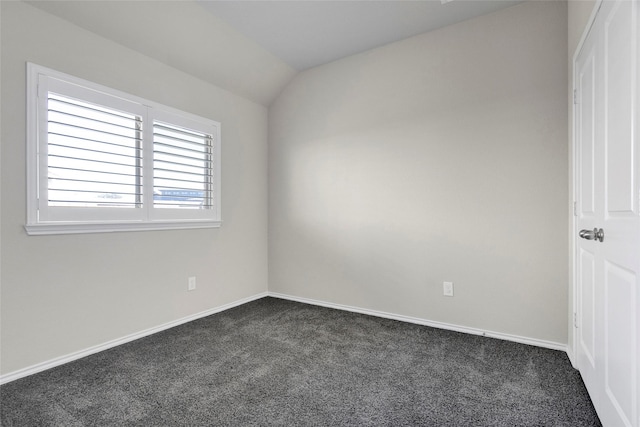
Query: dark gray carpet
x=276, y=362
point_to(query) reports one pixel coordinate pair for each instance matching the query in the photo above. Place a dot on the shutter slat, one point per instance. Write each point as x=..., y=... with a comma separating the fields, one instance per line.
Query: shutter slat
x=160, y=169
x=168, y=187
x=85, y=106
x=180, y=156
x=106, y=184
x=181, y=160
x=200, y=149
x=182, y=167
x=91, y=203
x=111, y=124
x=110, y=153
x=181, y=205
x=176, y=138
x=120, y=193
x=158, y=127
x=63, y=135
x=88, y=171
x=95, y=161
x=82, y=128
x=177, y=180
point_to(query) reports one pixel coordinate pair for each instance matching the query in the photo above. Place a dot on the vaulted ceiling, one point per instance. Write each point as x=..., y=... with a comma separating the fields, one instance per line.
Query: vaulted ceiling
x=254, y=48
x=306, y=34
x=185, y=36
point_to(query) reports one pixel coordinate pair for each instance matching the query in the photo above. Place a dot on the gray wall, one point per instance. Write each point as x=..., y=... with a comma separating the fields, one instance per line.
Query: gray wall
x=62, y=294
x=442, y=157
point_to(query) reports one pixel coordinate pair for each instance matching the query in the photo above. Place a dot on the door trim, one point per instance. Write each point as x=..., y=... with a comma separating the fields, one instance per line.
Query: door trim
x=572, y=346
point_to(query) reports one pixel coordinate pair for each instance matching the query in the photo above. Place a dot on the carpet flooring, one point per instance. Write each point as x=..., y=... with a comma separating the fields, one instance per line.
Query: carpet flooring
x=282, y=363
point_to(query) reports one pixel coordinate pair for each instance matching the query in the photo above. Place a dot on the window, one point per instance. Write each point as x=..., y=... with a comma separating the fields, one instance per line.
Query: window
x=101, y=160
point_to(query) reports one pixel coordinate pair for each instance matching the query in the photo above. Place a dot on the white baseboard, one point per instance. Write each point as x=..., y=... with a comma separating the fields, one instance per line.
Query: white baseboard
x=43, y=366
x=467, y=330
x=571, y=356
x=34, y=369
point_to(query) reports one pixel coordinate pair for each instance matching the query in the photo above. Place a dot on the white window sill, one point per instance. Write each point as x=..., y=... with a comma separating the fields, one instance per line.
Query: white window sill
x=82, y=228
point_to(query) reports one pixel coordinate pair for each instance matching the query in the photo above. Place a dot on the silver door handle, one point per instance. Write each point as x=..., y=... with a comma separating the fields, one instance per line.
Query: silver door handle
x=595, y=234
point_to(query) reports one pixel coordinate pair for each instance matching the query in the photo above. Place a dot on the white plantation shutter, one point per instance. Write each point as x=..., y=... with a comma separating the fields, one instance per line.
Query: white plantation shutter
x=182, y=167
x=103, y=160
x=94, y=155
x=186, y=169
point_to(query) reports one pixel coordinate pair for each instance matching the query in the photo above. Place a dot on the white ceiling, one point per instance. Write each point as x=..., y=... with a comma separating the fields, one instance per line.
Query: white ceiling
x=307, y=33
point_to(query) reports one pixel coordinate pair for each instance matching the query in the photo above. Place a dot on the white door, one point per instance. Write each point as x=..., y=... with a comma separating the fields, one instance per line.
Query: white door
x=608, y=219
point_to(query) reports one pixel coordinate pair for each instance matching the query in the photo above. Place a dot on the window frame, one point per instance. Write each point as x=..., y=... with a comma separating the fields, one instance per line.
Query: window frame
x=45, y=219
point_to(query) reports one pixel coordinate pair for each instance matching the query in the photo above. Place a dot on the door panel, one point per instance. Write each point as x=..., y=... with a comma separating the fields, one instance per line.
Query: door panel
x=587, y=307
x=586, y=129
x=607, y=186
x=619, y=61
x=620, y=349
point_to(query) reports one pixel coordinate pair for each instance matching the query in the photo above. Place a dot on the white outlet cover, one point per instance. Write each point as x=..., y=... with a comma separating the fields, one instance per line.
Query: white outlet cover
x=192, y=283
x=447, y=289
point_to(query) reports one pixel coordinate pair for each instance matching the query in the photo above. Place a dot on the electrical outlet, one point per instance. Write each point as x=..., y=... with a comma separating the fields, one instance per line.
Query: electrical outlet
x=192, y=284
x=447, y=289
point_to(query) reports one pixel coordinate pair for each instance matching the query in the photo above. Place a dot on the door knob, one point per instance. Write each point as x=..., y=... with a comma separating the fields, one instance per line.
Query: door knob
x=595, y=234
